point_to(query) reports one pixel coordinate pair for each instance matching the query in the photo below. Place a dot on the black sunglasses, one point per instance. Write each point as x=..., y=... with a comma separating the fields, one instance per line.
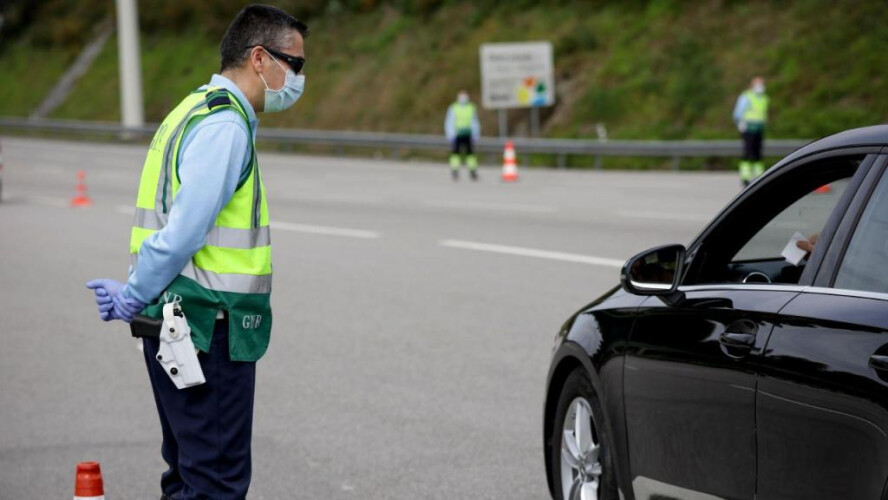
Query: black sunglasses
x=295, y=63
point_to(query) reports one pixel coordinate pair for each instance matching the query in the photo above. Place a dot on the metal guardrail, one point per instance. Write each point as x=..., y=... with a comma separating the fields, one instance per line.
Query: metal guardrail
x=560, y=148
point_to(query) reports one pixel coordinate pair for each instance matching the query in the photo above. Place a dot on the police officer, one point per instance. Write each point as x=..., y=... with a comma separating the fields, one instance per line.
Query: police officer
x=751, y=115
x=201, y=238
x=462, y=128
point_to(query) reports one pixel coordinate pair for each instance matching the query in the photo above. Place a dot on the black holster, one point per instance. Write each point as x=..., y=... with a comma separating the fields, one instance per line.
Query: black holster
x=145, y=327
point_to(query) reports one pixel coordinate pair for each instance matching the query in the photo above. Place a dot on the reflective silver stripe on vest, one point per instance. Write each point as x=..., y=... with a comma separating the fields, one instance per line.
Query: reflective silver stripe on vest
x=149, y=219
x=257, y=194
x=236, y=283
x=218, y=236
x=164, y=183
x=239, y=238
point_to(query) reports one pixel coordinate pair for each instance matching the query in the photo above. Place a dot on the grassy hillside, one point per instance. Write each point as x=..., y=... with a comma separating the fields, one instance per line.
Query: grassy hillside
x=645, y=69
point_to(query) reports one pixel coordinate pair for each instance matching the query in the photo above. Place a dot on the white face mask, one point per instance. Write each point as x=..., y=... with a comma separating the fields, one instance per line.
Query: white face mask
x=759, y=88
x=286, y=96
x=463, y=99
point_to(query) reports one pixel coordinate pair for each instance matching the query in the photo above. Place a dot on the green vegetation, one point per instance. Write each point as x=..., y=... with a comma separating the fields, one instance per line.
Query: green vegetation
x=657, y=69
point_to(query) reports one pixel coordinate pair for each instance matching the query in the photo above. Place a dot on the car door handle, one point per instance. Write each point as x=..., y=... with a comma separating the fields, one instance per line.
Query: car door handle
x=738, y=340
x=878, y=362
x=710, y=303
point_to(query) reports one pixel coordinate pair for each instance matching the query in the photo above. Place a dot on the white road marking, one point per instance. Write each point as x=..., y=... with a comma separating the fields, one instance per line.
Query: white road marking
x=287, y=226
x=665, y=216
x=332, y=198
x=502, y=207
x=532, y=252
x=324, y=230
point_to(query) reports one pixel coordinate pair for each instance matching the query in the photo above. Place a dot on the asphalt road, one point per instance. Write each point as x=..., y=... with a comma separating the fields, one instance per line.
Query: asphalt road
x=413, y=319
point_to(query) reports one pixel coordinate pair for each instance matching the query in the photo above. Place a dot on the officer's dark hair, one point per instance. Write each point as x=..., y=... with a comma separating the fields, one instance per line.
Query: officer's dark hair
x=257, y=25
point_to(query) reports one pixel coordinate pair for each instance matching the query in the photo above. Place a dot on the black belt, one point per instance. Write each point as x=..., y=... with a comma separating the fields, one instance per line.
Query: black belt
x=145, y=327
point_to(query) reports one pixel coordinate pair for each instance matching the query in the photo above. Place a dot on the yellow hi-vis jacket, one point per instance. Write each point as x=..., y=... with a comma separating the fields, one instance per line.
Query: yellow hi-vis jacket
x=232, y=272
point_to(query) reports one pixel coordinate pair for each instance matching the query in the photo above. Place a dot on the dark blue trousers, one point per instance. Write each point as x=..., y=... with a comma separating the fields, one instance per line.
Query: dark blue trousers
x=207, y=429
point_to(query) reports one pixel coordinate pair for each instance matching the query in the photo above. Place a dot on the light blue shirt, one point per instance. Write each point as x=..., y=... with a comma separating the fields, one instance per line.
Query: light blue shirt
x=214, y=153
x=741, y=107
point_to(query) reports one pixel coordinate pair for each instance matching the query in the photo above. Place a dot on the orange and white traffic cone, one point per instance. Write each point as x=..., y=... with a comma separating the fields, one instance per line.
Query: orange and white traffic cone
x=88, y=482
x=81, y=200
x=510, y=166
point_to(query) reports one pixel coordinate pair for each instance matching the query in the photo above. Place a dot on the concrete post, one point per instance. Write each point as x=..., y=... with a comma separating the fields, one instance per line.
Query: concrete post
x=130, y=63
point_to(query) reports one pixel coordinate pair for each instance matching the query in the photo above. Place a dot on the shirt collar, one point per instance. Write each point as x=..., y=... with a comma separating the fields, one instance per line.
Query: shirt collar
x=220, y=81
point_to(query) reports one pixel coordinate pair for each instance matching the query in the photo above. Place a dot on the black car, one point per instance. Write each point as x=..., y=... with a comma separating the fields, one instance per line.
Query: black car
x=723, y=370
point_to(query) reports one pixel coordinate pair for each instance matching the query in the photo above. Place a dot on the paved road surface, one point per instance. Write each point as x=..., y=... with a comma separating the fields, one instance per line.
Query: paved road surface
x=413, y=320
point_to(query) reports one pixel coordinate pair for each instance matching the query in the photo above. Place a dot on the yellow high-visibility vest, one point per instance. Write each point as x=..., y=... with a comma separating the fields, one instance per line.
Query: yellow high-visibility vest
x=757, y=111
x=232, y=271
x=463, y=117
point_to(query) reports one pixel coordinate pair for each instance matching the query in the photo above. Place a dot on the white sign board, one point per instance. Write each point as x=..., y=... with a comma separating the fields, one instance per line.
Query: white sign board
x=517, y=75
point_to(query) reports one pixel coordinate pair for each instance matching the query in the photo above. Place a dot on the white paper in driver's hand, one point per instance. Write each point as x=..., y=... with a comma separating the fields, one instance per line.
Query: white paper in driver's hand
x=792, y=253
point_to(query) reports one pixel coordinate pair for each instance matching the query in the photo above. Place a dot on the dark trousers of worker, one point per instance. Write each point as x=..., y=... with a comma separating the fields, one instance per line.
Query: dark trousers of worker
x=751, y=166
x=207, y=429
x=462, y=146
x=752, y=145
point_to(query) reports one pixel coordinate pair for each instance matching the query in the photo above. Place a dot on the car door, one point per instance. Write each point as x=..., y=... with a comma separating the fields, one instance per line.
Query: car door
x=691, y=364
x=822, y=401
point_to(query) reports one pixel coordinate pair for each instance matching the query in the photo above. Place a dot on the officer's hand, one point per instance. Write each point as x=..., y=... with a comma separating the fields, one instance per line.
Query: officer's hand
x=105, y=290
x=113, y=302
x=741, y=126
x=126, y=307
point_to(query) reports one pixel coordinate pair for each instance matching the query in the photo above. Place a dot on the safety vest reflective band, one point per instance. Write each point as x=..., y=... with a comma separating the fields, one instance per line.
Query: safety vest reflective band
x=757, y=111
x=232, y=271
x=463, y=116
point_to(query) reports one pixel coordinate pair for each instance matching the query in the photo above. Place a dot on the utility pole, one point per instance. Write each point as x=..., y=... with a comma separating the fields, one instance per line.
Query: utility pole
x=130, y=63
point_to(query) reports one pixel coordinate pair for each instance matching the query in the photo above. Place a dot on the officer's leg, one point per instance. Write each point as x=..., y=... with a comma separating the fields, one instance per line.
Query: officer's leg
x=471, y=159
x=758, y=167
x=170, y=481
x=213, y=424
x=454, y=159
x=464, y=146
x=746, y=164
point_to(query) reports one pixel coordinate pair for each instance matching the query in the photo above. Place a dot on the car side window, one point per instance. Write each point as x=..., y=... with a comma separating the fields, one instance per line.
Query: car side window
x=806, y=216
x=747, y=244
x=865, y=264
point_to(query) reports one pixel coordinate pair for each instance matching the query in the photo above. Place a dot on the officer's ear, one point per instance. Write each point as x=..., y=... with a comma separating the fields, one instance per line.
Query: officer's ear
x=255, y=58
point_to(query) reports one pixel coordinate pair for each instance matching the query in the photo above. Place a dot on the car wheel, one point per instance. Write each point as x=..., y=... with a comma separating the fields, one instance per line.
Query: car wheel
x=581, y=453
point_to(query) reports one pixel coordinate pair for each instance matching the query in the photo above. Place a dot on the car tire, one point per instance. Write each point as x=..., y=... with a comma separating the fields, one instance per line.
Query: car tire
x=585, y=467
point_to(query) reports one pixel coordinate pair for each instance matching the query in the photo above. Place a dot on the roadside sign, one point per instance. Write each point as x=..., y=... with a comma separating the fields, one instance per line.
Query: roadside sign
x=517, y=75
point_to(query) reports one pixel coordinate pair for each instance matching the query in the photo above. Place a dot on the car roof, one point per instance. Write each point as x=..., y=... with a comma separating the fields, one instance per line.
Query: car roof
x=874, y=137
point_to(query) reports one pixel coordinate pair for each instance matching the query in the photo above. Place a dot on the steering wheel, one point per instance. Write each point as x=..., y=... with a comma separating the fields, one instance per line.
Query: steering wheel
x=756, y=277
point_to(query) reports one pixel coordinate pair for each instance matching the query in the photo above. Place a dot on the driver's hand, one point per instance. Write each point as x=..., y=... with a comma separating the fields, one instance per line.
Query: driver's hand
x=808, y=245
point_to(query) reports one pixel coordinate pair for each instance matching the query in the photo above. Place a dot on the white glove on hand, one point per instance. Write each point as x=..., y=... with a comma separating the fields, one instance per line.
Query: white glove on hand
x=741, y=126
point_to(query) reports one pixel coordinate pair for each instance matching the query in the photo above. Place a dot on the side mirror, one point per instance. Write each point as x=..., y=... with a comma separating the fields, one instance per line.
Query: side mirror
x=657, y=271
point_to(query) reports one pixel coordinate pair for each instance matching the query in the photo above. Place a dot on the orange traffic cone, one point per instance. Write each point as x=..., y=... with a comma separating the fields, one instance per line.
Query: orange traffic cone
x=81, y=200
x=510, y=167
x=88, y=482
x=823, y=189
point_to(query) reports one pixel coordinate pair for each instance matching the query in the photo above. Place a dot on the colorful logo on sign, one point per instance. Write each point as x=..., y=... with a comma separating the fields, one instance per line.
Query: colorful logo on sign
x=532, y=92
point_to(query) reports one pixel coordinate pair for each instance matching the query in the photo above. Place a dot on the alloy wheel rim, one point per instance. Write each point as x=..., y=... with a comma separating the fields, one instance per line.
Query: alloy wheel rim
x=580, y=453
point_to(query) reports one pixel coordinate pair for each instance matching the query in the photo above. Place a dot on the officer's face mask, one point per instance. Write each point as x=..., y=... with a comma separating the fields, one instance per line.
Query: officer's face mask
x=759, y=88
x=463, y=99
x=286, y=96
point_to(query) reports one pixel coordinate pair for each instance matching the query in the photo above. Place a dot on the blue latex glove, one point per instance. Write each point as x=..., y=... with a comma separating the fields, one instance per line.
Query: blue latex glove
x=126, y=307
x=113, y=301
x=105, y=290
